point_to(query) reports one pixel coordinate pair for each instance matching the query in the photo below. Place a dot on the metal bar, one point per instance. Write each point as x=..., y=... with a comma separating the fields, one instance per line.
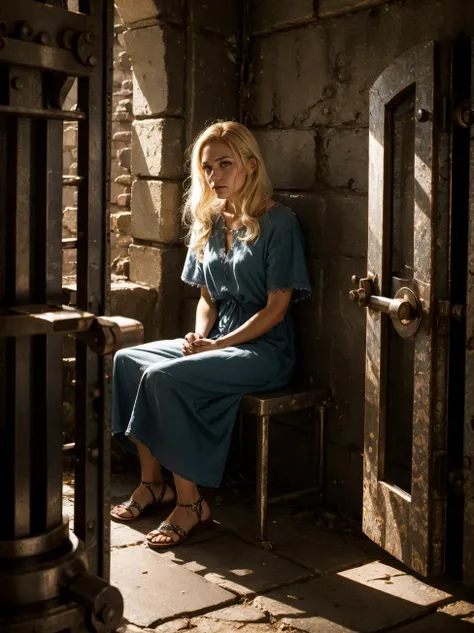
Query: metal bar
x=262, y=476
x=43, y=113
x=37, y=56
x=50, y=321
x=72, y=181
x=92, y=429
x=69, y=243
x=21, y=456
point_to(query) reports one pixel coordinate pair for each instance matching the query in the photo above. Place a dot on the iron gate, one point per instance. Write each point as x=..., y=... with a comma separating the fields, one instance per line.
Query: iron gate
x=51, y=580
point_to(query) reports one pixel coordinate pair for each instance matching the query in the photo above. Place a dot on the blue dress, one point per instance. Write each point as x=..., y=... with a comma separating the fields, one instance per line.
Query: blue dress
x=183, y=407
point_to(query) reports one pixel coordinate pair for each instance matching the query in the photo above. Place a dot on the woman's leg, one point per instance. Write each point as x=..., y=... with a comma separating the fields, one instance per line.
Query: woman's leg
x=150, y=470
x=187, y=493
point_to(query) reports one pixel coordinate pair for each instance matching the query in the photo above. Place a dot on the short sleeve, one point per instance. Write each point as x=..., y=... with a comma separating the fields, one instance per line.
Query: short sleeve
x=285, y=262
x=193, y=272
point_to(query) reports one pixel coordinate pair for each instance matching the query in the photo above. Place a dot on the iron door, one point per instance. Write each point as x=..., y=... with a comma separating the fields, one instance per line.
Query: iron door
x=407, y=279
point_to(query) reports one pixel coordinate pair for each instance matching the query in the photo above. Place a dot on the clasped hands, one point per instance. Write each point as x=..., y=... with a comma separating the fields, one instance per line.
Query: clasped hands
x=194, y=343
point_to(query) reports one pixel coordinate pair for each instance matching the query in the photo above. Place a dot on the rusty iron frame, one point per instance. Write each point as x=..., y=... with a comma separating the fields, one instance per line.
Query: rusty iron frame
x=49, y=579
x=407, y=524
x=468, y=536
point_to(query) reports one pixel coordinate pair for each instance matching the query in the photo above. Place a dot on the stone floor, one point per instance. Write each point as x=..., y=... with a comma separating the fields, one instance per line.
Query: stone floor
x=322, y=575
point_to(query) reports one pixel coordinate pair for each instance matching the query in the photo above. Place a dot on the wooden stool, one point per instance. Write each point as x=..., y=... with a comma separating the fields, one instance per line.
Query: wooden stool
x=264, y=405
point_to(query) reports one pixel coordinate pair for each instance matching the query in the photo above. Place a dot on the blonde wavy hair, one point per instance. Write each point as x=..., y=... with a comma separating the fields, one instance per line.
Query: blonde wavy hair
x=201, y=204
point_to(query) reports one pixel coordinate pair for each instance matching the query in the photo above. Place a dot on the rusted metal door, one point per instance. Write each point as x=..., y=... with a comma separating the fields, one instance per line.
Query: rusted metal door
x=407, y=338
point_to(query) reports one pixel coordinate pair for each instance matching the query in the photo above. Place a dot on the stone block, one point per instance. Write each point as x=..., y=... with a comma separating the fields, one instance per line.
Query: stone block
x=345, y=158
x=135, y=302
x=122, y=136
x=289, y=156
x=70, y=222
x=70, y=136
x=157, y=55
x=140, y=574
x=267, y=14
x=124, y=157
x=124, y=200
x=214, y=93
x=238, y=613
x=292, y=82
x=121, y=222
x=455, y=618
x=155, y=266
x=369, y=598
x=157, y=148
x=139, y=12
x=337, y=7
x=239, y=567
x=210, y=14
x=156, y=210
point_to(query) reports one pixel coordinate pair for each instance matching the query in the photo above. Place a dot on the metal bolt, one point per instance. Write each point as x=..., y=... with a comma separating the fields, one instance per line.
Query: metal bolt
x=107, y=614
x=91, y=525
x=26, y=31
x=423, y=115
x=16, y=83
x=44, y=38
x=92, y=60
x=89, y=37
x=66, y=39
x=467, y=117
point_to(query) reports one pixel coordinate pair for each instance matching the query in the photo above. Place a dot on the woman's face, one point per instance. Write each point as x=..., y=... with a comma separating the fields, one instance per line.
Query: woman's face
x=225, y=173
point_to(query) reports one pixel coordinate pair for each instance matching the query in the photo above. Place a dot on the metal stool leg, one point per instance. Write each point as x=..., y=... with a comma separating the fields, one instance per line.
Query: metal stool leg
x=262, y=476
x=322, y=450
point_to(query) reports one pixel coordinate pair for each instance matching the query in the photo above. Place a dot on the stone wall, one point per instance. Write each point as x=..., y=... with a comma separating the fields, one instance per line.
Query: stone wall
x=185, y=74
x=313, y=64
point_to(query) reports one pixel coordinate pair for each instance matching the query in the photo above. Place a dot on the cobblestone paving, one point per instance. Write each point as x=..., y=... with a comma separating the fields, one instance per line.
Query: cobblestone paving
x=321, y=576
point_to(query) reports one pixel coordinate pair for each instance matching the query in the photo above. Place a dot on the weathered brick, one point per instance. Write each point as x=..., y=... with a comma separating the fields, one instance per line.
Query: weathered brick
x=268, y=13
x=345, y=158
x=160, y=268
x=137, y=12
x=156, y=210
x=336, y=7
x=121, y=221
x=157, y=55
x=292, y=78
x=157, y=148
x=289, y=156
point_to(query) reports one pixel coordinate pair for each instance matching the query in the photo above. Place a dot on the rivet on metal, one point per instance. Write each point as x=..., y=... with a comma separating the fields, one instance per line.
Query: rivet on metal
x=66, y=39
x=44, y=38
x=423, y=115
x=26, y=31
x=16, y=83
x=92, y=60
x=89, y=37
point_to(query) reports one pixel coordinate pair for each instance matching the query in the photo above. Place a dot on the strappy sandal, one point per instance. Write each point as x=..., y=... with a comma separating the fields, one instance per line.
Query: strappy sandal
x=166, y=529
x=128, y=505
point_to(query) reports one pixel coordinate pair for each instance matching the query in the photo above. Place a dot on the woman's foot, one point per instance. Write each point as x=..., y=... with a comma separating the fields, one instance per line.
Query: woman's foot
x=142, y=497
x=185, y=518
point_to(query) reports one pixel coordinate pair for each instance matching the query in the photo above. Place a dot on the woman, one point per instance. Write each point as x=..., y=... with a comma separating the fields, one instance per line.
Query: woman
x=175, y=402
